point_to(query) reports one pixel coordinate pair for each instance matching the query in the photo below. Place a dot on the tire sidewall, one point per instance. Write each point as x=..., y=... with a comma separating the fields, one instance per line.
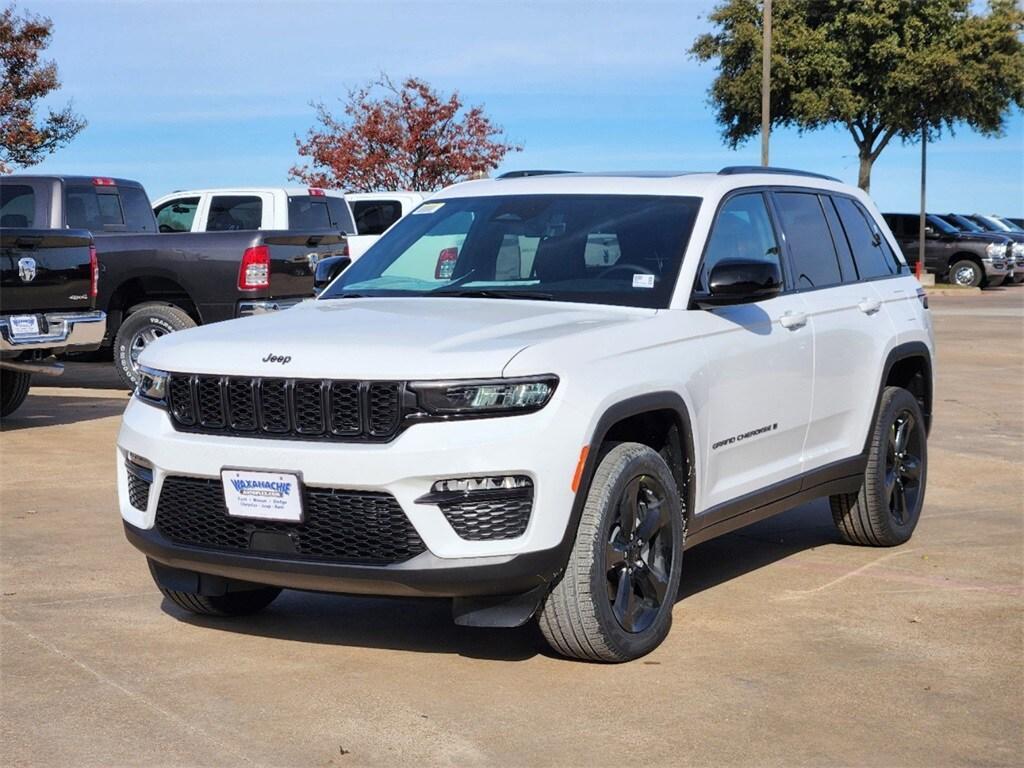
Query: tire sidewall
x=979, y=273
x=167, y=319
x=894, y=400
x=630, y=644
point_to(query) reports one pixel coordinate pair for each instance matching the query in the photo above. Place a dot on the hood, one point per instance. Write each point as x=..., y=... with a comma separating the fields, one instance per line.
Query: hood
x=984, y=237
x=381, y=338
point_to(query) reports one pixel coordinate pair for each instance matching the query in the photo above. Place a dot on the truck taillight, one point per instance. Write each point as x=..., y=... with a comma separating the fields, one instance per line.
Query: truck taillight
x=103, y=182
x=94, y=273
x=316, y=192
x=445, y=266
x=344, y=249
x=255, y=270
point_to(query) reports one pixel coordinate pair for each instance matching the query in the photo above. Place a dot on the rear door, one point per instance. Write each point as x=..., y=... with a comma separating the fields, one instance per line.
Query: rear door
x=827, y=237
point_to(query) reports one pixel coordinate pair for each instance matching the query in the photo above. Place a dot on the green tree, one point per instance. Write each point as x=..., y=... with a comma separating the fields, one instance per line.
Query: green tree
x=881, y=68
x=24, y=139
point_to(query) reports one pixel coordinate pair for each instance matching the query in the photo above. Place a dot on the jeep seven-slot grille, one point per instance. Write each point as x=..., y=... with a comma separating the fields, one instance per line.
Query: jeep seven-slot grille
x=339, y=525
x=290, y=408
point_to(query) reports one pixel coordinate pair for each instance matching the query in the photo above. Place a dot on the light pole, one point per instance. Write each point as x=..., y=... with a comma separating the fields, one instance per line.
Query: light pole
x=921, y=223
x=766, y=80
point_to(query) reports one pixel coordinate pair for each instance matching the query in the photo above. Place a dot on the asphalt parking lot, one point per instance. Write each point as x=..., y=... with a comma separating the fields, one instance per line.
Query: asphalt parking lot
x=788, y=647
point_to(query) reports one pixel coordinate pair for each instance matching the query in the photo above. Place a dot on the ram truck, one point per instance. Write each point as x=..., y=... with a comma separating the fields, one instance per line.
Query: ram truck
x=48, y=286
x=156, y=283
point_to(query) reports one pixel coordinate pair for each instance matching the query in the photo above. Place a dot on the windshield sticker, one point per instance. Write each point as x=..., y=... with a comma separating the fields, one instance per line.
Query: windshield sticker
x=643, y=281
x=427, y=208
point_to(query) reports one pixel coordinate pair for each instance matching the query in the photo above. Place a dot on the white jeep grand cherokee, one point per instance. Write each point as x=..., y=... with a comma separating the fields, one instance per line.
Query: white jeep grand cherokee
x=532, y=394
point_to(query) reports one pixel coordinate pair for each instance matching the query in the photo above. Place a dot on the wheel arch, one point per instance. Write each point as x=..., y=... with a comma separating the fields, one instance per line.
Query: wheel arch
x=148, y=289
x=908, y=365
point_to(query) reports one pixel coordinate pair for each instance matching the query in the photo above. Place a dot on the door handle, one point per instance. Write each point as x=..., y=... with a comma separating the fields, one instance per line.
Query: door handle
x=793, y=320
x=869, y=306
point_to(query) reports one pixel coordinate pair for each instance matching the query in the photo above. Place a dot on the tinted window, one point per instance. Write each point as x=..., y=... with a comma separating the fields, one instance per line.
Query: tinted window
x=865, y=240
x=308, y=213
x=375, y=216
x=177, y=215
x=341, y=217
x=963, y=224
x=517, y=245
x=811, y=250
x=17, y=205
x=234, y=212
x=839, y=240
x=743, y=231
x=137, y=213
x=84, y=208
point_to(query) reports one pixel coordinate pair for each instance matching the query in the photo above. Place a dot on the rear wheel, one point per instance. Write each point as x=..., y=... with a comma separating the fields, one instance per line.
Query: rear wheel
x=885, y=511
x=615, y=601
x=14, y=386
x=140, y=329
x=966, y=273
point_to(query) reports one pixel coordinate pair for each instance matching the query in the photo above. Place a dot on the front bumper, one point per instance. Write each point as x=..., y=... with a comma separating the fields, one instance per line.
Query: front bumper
x=77, y=331
x=543, y=446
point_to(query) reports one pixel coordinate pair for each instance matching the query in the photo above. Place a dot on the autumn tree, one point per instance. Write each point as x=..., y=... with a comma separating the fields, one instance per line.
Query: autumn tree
x=25, y=138
x=399, y=137
x=883, y=69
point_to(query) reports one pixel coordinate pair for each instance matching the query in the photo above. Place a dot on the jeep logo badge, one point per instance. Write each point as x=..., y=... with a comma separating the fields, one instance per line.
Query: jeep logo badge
x=27, y=269
x=282, y=359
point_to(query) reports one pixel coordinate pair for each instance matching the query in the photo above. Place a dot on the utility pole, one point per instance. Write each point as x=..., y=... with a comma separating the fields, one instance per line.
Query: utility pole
x=921, y=224
x=766, y=80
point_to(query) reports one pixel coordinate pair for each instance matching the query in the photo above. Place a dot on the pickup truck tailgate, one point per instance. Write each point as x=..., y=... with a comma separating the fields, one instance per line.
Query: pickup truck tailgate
x=44, y=270
x=293, y=259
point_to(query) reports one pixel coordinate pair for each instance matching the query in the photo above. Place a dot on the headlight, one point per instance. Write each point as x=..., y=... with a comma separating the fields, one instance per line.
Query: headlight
x=996, y=250
x=490, y=397
x=1018, y=249
x=153, y=385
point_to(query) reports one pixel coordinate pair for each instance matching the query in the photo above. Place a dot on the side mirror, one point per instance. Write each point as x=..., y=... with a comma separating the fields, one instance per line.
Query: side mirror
x=328, y=269
x=929, y=231
x=741, y=282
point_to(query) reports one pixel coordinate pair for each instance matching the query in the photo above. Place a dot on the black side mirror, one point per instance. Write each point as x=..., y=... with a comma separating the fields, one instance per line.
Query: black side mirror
x=741, y=282
x=328, y=269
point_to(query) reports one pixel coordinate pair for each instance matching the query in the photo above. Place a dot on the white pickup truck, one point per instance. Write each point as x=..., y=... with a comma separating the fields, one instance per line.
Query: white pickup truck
x=363, y=217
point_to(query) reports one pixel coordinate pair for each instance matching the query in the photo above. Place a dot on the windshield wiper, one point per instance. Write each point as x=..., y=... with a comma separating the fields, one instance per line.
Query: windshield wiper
x=490, y=293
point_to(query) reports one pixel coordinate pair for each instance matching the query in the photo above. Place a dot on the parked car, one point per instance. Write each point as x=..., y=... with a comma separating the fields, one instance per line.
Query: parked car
x=153, y=283
x=532, y=426
x=1015, y=254
x=962, y=258
x=376, y=211
x=1017, y=222
x=48, y=286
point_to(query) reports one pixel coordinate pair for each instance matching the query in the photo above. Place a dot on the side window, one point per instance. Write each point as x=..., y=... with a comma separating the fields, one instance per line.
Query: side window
x=375, y=216
x=137, y=213
x=865, y=240
x=341, y=219
x=17, y=205
x=839, y=240
x=811, y=250
x=743, y=230
x=84, y=208
x=177, y=215
x=229, y=213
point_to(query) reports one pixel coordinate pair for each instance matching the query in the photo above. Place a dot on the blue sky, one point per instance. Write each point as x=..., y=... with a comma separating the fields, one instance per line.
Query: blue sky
x=186, y=94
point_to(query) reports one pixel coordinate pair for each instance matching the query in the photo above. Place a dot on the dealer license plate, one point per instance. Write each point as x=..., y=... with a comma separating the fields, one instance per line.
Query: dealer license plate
x=23, y=325
x=262, y=495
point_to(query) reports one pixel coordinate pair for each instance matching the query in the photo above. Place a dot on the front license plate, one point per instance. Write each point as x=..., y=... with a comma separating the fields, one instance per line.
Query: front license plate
x=24, y=325
x=262, y=495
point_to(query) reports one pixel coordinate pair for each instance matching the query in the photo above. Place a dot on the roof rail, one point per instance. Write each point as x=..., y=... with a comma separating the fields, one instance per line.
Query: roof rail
x=734, y=170
x=525, y=174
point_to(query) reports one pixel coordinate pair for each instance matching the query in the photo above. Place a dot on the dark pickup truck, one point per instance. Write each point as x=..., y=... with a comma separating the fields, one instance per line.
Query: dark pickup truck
x=154, y=283
x=47, y=299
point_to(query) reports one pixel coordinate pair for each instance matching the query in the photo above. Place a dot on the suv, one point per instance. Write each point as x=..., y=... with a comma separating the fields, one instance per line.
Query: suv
x=531, y=395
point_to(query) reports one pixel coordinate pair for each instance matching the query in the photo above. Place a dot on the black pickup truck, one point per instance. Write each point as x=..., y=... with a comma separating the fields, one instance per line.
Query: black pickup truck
x=48, y=285
x=154, y=283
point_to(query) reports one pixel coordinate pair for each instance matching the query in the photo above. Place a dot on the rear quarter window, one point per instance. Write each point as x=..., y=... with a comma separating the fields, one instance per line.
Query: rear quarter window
x=305, y=212
x=137, y=213
x=375, y=216
x=85, y=208
x=866, y=240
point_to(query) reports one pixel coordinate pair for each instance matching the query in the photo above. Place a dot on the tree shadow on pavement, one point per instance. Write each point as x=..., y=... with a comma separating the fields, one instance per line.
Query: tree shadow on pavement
x=425, y=625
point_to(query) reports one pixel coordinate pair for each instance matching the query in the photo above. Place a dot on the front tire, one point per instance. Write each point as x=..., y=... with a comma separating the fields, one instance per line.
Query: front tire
x=140, y=329
x=242, y=603
x=967, y=274
x=885, y=511
x=614, y=602
x=14, y=386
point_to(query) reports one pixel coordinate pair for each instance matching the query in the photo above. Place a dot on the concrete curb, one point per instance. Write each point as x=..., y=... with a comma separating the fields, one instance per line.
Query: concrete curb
x=949, y=290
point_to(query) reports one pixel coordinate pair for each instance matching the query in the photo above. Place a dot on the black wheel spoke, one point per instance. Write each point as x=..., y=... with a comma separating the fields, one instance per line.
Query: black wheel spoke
x=654, y=584
x=614, y=555
x=911, y=469
x=899, y=503
x=625, y=605
x=628, y=508
x=655, y=518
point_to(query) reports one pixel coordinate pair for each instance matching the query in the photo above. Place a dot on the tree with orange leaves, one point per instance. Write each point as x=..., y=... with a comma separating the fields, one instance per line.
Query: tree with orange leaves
x=24, y=140
x=408, y=137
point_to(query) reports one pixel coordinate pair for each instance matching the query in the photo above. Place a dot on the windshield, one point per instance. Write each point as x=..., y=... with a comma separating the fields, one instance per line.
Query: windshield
x=994, y=224
x=597, y=249
x=964, y=224
x=943, y=226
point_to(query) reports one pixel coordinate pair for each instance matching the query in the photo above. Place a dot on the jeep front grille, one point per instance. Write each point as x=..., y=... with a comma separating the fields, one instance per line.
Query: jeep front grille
x=339, y=525
x=286, y=408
